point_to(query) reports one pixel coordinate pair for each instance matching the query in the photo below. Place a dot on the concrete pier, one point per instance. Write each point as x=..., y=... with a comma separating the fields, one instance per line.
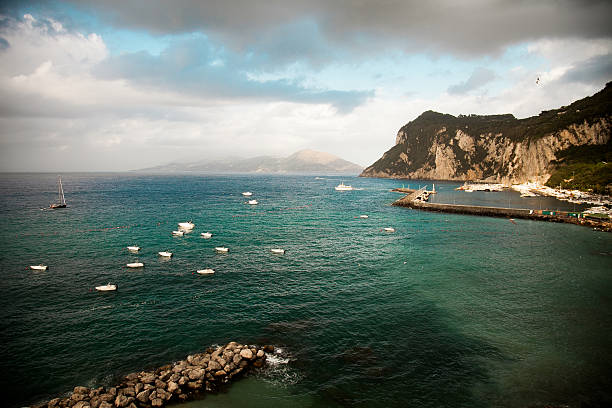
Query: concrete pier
x=414, y=200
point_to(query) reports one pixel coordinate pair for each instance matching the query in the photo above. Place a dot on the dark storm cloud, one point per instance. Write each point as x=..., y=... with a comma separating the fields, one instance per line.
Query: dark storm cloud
x=480, y=77
x=592, y=71
x=466, y=28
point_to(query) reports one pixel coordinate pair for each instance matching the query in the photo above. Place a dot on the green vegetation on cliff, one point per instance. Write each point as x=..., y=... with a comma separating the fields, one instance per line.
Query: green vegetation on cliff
x=586, y=168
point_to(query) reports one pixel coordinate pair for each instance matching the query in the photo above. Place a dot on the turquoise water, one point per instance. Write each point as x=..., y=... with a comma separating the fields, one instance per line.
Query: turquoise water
x=447, y=311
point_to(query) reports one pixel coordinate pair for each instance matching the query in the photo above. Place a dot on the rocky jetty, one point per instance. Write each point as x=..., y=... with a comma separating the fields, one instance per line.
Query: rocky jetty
x=177, y=382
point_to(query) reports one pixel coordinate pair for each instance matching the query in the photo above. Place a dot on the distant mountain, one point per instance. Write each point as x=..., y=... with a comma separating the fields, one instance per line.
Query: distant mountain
x=561, y=144
x=304, y=161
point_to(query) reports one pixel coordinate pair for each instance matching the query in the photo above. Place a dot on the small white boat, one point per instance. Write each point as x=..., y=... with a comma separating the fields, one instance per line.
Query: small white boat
x=363, y=216
x=106, y=288
x=278, y=251
x=178, y=233
x=186, y=225
x=247, y=194
x=343, y=187
x=206, y=235
x=206, y=271
x=252, y=202
x=165, y=254
x=40, y=267
x=221, y=249
x=133, y=248
x=389, y=229
x=135, y=265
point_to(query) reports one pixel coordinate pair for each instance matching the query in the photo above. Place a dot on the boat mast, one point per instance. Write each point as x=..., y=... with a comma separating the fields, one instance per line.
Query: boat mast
x=61, y=192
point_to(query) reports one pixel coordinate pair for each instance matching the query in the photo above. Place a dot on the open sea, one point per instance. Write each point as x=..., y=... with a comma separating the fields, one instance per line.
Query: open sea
x=447, y=311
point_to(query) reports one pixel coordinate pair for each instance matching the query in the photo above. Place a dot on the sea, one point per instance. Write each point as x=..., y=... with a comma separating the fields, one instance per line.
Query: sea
x=447, y=311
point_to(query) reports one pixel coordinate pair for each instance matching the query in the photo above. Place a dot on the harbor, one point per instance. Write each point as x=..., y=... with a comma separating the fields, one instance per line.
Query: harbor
x=418, y=199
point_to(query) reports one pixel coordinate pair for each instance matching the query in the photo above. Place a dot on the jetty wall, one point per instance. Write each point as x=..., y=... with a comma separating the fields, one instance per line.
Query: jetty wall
x=551, y=216
x=180, y=381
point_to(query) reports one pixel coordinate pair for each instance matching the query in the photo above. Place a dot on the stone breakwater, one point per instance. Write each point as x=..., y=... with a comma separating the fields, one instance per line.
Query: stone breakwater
x=177, y=382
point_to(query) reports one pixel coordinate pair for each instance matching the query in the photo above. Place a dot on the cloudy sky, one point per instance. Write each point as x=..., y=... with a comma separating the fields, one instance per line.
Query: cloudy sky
x=95, y=85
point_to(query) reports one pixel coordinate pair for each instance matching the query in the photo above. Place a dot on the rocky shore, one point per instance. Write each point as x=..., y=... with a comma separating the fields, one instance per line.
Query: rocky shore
x=176, y=382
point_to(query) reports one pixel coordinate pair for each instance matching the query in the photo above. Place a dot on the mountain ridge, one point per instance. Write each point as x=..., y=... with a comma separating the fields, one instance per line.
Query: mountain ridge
x=302, y=161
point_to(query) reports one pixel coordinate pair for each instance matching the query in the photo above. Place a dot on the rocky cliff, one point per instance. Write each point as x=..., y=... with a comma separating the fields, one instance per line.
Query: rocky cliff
x=496, y=148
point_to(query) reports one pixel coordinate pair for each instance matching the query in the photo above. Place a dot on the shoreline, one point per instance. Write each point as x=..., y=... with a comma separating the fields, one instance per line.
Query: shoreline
x=184, y=380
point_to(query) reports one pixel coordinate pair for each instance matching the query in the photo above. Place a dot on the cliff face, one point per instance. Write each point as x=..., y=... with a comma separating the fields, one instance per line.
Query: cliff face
x=496, y=148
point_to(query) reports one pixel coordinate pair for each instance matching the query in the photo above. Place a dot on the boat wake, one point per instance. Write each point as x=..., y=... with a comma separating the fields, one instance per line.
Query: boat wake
x=278, y=370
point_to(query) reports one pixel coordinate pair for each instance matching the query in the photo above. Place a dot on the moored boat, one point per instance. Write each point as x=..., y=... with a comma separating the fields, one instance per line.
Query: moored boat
x=178, y=233
x=278, y=251
x=206, y=271
x=135, y=265
x=247, y=194
x=133, y=248
x=221, y=249
x=206, y=235
x=389, y=229
x=186, y=225
x=40, y=267
x=106, y=288
x=363, y=216
x=252, y=202
x=165, y=254
x=61, y=199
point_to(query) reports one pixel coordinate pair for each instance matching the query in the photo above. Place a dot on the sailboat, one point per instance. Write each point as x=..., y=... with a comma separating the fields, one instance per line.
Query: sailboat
x=62, y=200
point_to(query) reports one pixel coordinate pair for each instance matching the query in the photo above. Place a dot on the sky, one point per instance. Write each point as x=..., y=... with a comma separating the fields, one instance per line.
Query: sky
x=117, y=85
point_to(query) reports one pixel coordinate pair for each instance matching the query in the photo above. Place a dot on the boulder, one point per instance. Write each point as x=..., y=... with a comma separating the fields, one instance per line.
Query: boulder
x=112, y=391
x=174, y=377
x=268, y=349
x=222, y=362
x=157, y=402
x=81, y=390
x=106, y=397
x=193, y=385
x=147, y=378
x=53, y=403
x=95, y=401
x=165, y=395
x=260, y=353
x=143, y=396
x=82, y=404
x=258, y=363
x=123, y=401
x=131, y=377
x=246, y=353
x=127, y=391
x=213, y=366
x=138, y=387
x=237, y=358
x=196, y=374
x=173, y=387
x=105, y=404
x=160, y=384
x=220, y=373
x=183, y=380
x=132, y=405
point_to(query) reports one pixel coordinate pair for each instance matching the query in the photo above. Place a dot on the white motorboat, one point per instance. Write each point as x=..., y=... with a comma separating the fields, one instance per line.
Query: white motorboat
x=389, y=229
x=133, y=248
x=343, y=187
x=165, y=254
x=221, y=249
x=186, y=225
x=247, y=194
x=40, y=267
x=206, y=235
x=363, y=216
x=135, y=265
x=252, y=202
x=206, y=271
x=278, y=251
x=106, y=288
x=178, y=233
